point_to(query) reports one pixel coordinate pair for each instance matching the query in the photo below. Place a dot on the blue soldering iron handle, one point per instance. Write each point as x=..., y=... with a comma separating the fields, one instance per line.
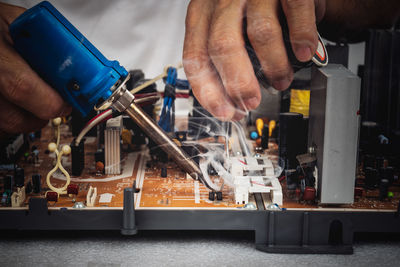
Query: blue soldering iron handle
x=64, y=58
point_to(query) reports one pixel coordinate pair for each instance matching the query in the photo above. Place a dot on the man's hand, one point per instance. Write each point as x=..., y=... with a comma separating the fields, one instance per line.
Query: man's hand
x=26, y=101
x=215, y=59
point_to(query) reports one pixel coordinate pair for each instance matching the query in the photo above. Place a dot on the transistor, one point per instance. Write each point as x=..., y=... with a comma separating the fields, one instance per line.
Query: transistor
x=77, y=157
x=19, y=178
x=265, y=137
x=36, y=182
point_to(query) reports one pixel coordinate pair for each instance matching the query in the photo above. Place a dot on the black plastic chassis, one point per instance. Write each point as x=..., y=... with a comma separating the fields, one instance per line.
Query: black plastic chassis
x=290, y=231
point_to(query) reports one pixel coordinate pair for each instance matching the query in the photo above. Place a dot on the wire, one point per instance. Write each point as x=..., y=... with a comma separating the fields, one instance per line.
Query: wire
x=65, y=150
x=155, y=79
x=58, y=133
x=93, y=122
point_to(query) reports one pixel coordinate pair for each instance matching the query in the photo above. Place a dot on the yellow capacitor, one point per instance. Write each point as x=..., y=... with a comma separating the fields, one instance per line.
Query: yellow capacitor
x=259, y=126
x=271, y=126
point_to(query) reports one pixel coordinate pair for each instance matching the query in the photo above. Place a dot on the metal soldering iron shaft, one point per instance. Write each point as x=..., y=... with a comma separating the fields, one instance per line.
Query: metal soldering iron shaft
x=159, y=136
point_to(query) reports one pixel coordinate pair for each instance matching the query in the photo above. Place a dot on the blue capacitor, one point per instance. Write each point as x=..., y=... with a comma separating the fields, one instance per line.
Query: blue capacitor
x=64, y=58
x=253, y=135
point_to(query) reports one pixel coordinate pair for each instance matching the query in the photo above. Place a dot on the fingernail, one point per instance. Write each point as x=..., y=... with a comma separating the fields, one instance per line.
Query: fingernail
x=252, y=103
x=281, y=84
x=303, y=53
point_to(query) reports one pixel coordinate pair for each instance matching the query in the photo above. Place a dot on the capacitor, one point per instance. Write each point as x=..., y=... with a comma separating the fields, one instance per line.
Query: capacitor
x=383, y=189
x=271, y=126
x=371, y=178
x=259, y=126
x=19, y=177
x=265, y=137
x=52, y=196
x=99, y=167
x=290, y=145
x=72, y=189
x=163, y=172
x=211, y=195
x=309, y=194
x=253, y=135
x=36, y=182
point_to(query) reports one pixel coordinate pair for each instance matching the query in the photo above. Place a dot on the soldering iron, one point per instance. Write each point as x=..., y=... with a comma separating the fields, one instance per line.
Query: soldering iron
x=69, y=63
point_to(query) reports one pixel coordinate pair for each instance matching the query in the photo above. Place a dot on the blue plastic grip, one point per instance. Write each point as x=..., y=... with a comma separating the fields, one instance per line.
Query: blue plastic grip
x=64, y=58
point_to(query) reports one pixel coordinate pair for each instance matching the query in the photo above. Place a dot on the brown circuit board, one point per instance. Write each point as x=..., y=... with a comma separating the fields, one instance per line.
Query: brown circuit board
x=156, y=192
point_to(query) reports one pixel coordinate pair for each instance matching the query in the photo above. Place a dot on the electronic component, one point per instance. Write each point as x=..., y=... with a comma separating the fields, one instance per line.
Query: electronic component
x=18, y=198
x=19, y=177
x=334, y=105
x=36, y=183
x=52, y=196
x=112, y=146
x=72, y=189
x=91, y=196
x=12, y=148
x=211, y=195
x=163, y=172
x=265, y=137
x=290, y=127
x=77, y=157
x=371, y=178
x=92, y=81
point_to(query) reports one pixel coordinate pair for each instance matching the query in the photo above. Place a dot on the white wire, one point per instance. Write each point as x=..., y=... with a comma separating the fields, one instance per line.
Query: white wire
x=88, y=127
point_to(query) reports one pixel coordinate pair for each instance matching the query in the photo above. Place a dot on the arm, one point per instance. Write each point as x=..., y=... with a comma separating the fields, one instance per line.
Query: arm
x=26, y=101
x=216, y=62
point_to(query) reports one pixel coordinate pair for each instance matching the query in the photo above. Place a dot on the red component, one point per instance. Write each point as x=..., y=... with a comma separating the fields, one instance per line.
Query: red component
x=72, y=189
x=309, y=193
x=358, y=191
x=52, y=196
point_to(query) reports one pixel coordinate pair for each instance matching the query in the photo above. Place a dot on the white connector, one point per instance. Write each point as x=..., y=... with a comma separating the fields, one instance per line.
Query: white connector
x=18, y=198
x=91, y=196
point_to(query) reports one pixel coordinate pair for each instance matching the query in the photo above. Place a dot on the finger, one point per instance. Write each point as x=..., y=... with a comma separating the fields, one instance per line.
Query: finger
x=10, y=12
x=300, y=16
x=20, y=85
x=199, y=69
x=265, y=35
x=229, y=56
x=13, y=119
